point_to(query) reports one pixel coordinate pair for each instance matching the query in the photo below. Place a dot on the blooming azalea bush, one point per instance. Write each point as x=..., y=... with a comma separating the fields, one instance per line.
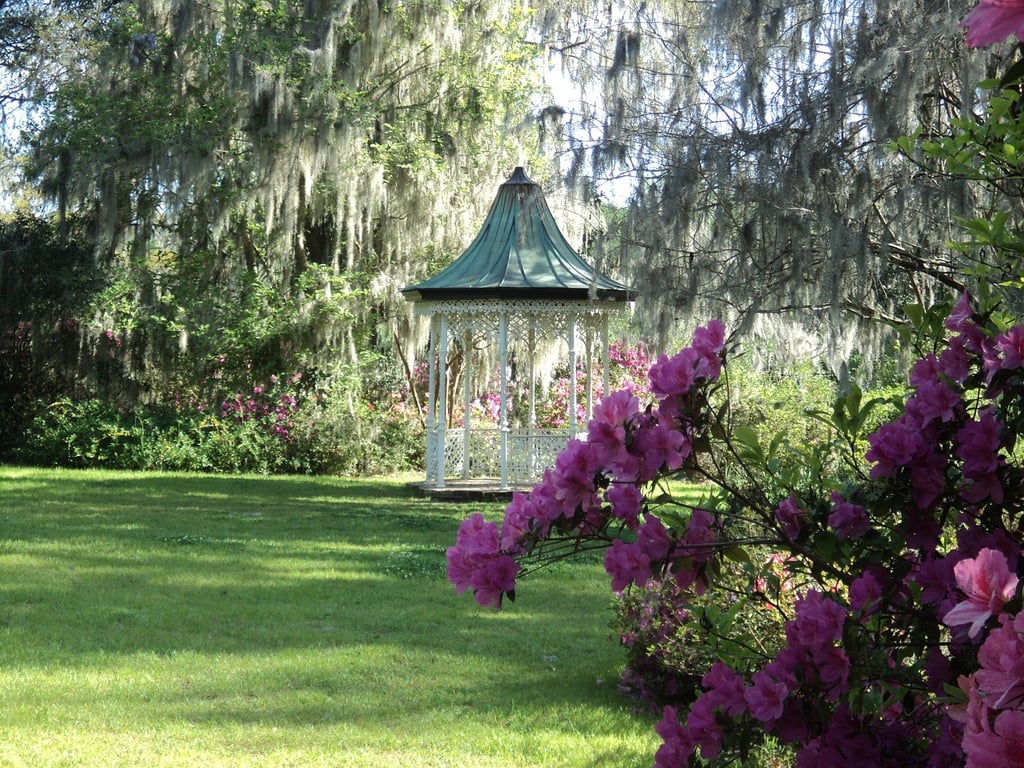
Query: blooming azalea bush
x=905, y=645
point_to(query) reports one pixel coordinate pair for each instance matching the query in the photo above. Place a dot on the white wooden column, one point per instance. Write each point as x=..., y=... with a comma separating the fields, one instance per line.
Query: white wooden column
x=442, y=404
x=432, y=402
x=531, y=432
x=571, y=339
x=589, y=352
x=607, y=353
x=503, y=397
x=467, y=392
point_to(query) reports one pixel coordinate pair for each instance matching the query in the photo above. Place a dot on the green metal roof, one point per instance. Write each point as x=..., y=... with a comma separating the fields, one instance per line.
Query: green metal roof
x=519, y=253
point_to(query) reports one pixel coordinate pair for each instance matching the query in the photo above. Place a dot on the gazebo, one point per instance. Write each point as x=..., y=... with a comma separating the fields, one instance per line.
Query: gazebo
x=520, y=283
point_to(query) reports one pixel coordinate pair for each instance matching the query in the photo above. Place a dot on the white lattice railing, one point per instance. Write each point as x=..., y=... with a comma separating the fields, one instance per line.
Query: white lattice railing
x=529, y=453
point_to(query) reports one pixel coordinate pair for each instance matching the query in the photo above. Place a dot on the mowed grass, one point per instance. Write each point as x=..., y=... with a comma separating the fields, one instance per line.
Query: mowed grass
x=188, y=620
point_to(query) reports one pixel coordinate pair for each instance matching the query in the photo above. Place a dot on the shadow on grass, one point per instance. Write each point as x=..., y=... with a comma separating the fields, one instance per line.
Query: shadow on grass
x=96, y=562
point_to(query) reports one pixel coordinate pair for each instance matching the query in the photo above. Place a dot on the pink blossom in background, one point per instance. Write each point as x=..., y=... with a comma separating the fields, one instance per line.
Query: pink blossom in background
x=987, y=582
x=992, y=21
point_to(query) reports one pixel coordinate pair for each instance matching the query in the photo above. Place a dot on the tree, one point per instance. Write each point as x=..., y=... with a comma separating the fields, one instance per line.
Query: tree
x=298, y=162
x=752, y=138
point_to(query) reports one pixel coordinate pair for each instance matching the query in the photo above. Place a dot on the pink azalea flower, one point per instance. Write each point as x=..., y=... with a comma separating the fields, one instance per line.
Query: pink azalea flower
x=987, y=582
x=477, y=537
x=625, y=499
x=992, y=21
x=701, y=535
x=789, y=516
x=520, y=519
x=703, y=729
x=677, y=746
x=460, y=569
x=496, y=577
x=675, y=375
x=658, y=447
x=893, y=445
x=1001, y=658
x=819, y=621
x=654, y=538
x=865, y=593
x=766, y=697
x=1011, y=344
x=626, y=564
x=999, y=747
x=849, y=520
x=725, y=689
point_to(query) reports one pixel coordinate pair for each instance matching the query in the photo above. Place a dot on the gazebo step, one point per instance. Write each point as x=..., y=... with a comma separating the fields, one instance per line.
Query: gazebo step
x=479, y=489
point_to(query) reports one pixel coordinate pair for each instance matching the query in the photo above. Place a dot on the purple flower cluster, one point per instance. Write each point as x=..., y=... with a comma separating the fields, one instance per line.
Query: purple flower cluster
x=275, y=410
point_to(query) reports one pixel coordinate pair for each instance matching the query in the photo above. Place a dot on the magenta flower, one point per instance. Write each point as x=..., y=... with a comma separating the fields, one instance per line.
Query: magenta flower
x=625, y=499
x=725, y=689
x=978, y=444
x=703, y=729
x=766, y=697
x=789, y=515
x=701, y=535
x=987, y=582
x=1011, y=344
x=849, y=520
x=818, y=621
x=992, y=21
x=658, y=447
x=520, y=519
x=893, y=445
x=626, y=564
x=496, y=578
x=677, y=746
x=654, y=538
x=865, y=593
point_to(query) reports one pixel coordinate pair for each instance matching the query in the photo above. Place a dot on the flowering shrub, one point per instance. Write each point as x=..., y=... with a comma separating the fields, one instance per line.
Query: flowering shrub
x=905, y=646
x=627, y=370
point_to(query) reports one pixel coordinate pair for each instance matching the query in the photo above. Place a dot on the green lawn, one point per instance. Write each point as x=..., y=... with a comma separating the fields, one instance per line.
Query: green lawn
x=192, y=620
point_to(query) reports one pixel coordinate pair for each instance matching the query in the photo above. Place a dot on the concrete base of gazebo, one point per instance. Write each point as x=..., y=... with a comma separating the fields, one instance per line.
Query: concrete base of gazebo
x=476, y=489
